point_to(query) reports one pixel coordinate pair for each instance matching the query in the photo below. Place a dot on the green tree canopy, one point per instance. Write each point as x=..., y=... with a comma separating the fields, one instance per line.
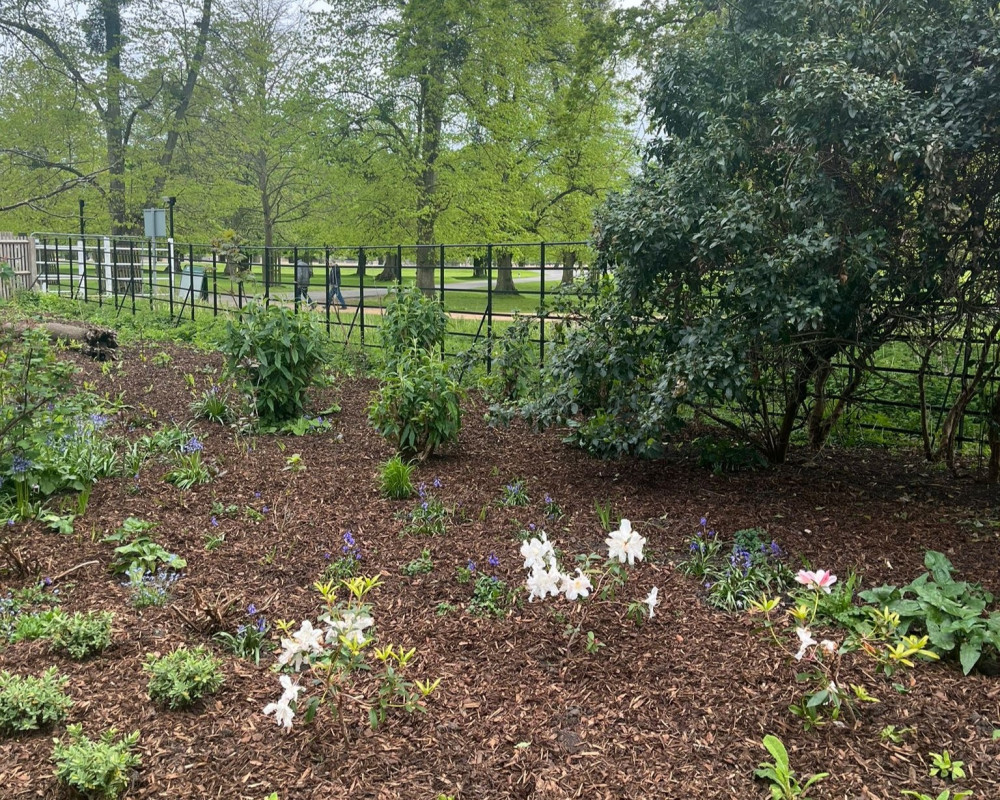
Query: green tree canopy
x=821, y=175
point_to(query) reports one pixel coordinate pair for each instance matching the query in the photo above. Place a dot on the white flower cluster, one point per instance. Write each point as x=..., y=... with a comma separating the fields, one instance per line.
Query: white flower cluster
x=625, y=544
x=306, y=641
x=544, y=578
x=282, y=710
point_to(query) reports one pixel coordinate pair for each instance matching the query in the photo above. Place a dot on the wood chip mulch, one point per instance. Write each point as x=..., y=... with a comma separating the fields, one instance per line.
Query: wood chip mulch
x=675, y=709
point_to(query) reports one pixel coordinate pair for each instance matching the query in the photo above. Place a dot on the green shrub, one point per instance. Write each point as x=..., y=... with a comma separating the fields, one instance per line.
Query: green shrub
x=277, y=355
x=95, y=769
x=952, y=613
x=395, y=478
x=417, y=406
x=411, y=319
x=80, y=635
x=182, y=677
x=30, y=703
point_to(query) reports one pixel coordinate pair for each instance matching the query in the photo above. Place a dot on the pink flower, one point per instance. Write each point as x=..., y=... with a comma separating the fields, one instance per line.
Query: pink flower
x=820, y=579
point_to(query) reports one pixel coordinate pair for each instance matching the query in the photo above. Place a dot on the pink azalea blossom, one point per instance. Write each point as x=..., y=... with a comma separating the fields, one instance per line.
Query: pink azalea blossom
x=820, y=579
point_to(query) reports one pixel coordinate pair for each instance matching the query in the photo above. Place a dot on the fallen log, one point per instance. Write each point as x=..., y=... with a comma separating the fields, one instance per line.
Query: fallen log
x=97, y=343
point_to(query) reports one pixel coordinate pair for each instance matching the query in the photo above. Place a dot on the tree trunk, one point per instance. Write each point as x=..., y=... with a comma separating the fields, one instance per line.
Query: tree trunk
x=390, y=272
x=114, y=129
x=505, y=278
x=993, y=436
x=97, y=343
x=184, y=103
x=432, y=101
x=568, y=259
x=478, y=267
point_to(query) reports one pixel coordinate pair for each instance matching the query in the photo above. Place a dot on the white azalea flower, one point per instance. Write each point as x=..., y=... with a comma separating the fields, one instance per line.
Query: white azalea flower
x=574, y=586
x=291, y=690
x=829, y=646
x=805, y=642
x=537, y=552
x=543, y=582
x=352, y=626
x=633, y=547
x=625, y=544
x=304, y=641
x=651, y=600
x=283, y=713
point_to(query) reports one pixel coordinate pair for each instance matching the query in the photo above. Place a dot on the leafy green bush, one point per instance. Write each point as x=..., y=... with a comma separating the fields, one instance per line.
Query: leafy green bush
x=395, y=478
x=182, y=677
x=30, y=703
x=411, y=319
x=95, y=769
x=952, y=613
x=417, y=406
x=277, y=355
x=80, y=635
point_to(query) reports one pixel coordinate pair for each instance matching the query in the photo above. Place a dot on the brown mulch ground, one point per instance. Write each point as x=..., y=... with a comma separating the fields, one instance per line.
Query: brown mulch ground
x=676, y=709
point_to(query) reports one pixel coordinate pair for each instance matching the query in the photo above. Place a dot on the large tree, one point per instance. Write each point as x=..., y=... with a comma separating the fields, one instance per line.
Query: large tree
x=822, y=174
x=120, y=67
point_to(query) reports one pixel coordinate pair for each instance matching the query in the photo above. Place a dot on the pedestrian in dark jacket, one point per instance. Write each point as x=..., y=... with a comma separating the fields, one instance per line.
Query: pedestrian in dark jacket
x=303, y=274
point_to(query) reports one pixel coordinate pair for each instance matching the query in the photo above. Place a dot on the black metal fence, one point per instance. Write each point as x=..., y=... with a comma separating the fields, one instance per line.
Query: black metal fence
x=482, y=286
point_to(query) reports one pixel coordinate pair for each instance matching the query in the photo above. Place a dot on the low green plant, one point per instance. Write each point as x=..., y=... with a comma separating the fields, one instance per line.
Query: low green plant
x=395, y=479
x=81, y=634
x=145, y=554
x=943, y=766
x=514, y=494
x=603, y=511
x=420, y=565
x=490, y=597
x=722, y=455
x=249, y=639
x=213, y=405
x=276, y=355
x=890, y=733
x=952, y=613
x=148, y=588
x=96, y=769
x=735, y=575
x=429, y=517
x=947, y=794
x=779, y=773
x=188, y=468
x=179, y=679
x=417, y=406
x=29, y=703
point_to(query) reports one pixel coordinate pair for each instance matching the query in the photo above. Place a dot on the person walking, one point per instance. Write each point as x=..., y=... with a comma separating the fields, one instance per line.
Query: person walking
x=303, y=274
x=335, y=287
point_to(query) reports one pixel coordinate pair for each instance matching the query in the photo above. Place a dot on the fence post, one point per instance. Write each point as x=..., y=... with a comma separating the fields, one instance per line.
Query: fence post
x=442, y=297
x=265, y=265
x=132, y=273
x=399, y=264
x=170, y=274
x=150, y=251
x=542, y=311
x=295, y=282
x=81, y=251
x=489, y=309
x=215, y=284
x=361, y=292
x=191, y=273
x=326, y=261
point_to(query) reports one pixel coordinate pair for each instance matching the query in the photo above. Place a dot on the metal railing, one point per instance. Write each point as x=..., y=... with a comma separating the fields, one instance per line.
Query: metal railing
x=487, y=284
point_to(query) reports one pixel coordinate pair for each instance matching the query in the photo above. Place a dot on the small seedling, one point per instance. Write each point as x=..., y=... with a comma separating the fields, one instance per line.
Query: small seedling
x=784, y=784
